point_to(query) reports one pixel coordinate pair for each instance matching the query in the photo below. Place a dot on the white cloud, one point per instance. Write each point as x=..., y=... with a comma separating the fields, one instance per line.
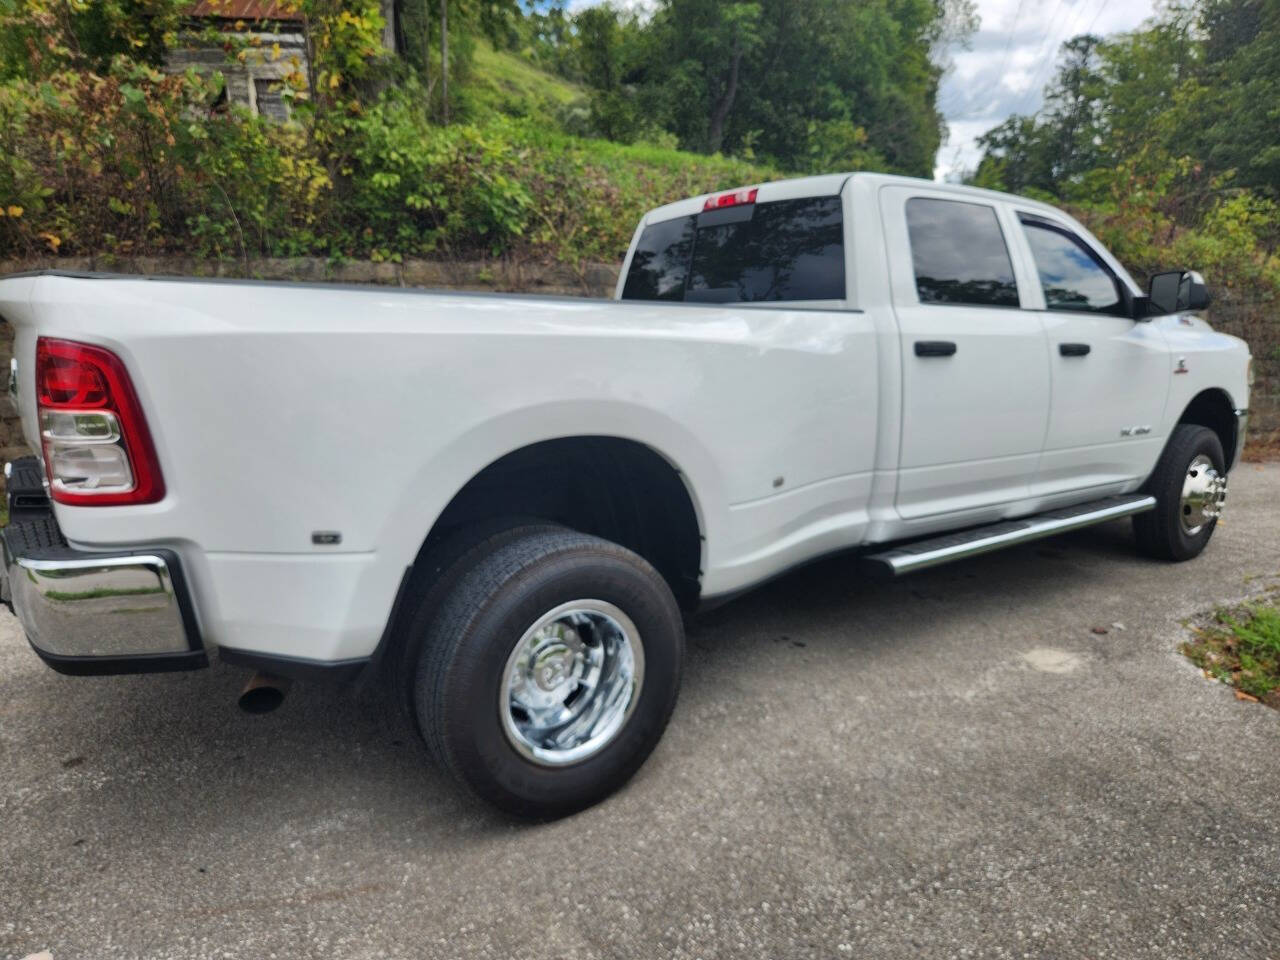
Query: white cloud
x=642, y=7
x=1012, y=56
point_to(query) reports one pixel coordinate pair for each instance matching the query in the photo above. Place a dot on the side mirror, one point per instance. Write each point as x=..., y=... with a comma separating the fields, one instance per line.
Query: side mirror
x=1177, y=291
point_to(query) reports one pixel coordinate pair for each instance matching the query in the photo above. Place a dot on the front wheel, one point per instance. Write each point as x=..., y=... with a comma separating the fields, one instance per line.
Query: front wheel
x=547, y=675
x=1190, y=487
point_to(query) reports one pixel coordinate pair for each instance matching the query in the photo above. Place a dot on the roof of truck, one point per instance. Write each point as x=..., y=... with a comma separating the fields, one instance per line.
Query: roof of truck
x=826, y=185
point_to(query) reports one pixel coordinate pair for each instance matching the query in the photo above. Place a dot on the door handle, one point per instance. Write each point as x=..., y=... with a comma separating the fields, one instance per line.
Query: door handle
x=1074, y=349
x=935, y=348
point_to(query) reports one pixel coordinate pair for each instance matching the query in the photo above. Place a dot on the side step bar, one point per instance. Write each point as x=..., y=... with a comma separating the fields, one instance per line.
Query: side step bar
x=997, y=536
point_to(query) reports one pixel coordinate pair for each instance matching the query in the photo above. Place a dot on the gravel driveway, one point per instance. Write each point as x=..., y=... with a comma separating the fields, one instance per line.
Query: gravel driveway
x=951, y=765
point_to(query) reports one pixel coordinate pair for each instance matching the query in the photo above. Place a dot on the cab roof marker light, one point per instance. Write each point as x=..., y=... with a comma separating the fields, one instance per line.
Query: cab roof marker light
x=732, y=199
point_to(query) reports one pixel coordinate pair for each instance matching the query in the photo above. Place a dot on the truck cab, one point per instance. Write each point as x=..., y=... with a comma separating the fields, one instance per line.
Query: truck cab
x=1021, y=364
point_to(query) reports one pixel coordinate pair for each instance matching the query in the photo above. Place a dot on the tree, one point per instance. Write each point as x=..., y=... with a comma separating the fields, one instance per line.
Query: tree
x=435, y=39
x=607, y=45
x=702, y=45
x=1072, y=108
x=1058, y=147
x=444, y=60
x=391, y=26
x=1015, y=157
x=1237, y=113
x=809, y=84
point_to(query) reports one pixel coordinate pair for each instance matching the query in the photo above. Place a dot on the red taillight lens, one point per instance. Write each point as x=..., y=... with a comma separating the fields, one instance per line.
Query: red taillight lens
x=733, y=199
x=65, y=382
x=97, y=448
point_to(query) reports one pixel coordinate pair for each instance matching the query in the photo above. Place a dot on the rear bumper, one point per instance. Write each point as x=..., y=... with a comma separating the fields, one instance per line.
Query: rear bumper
x=127, y=611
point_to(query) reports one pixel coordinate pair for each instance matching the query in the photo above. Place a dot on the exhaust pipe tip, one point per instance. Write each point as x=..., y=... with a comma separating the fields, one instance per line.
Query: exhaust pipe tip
x=263, y=693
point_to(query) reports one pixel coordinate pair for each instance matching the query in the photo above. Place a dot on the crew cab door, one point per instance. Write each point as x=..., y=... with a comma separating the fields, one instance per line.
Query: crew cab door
x=975, y=377
x=1109, y=373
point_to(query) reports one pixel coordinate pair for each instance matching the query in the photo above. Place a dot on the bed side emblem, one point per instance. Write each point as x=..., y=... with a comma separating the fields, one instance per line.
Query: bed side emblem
x=1182, y=366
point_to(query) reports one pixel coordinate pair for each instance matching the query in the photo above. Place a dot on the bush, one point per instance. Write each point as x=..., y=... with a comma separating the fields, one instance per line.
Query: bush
x=132, y=163
x=125, y=164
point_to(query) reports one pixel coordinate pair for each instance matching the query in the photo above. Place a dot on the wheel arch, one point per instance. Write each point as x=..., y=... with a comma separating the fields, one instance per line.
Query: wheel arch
x=1214, y=409
x=617, y=488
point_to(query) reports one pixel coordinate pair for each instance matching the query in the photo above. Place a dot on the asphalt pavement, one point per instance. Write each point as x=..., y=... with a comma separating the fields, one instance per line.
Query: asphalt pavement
x=952, y=765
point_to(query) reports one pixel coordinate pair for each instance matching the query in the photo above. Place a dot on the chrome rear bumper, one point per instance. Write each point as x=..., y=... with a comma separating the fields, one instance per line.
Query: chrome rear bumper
x=90, y=613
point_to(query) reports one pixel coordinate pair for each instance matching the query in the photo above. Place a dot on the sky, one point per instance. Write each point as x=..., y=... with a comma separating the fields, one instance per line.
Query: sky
x=1010, y=59
x=1008, y=62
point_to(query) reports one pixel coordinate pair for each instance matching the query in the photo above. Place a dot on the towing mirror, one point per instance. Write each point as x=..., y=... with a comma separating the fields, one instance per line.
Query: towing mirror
x=1177, y=291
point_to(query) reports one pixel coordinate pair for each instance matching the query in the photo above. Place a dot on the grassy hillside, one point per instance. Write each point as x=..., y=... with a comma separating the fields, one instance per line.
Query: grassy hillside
x=504, y=83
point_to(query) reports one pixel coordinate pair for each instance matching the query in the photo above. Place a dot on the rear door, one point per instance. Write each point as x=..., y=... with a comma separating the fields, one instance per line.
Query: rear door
x=975, y=378
x=1110, y=374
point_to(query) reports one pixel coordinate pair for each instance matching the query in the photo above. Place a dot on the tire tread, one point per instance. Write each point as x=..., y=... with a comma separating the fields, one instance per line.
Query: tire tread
x=1159, y=532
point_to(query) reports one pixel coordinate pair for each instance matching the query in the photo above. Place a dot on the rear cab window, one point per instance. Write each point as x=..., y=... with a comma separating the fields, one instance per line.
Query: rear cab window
x=959, y=254
x=780, y=251
x=660, y=264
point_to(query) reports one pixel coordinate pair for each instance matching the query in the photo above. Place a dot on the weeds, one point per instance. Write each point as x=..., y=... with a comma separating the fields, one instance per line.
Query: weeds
x=1241, y=648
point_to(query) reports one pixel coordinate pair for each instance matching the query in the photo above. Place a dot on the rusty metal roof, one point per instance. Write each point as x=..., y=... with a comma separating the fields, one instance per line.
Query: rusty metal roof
x=289, y=10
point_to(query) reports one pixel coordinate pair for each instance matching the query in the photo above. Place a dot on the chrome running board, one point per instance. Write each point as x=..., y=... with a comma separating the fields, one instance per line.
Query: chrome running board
x=1007, y=533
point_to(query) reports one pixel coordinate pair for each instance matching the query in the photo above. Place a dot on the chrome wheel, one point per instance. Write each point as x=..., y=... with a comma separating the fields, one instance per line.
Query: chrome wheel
x=1204, y=493
x=571, y=682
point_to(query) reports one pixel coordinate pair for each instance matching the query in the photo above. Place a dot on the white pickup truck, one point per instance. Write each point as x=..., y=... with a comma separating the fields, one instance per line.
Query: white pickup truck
x=504, y=505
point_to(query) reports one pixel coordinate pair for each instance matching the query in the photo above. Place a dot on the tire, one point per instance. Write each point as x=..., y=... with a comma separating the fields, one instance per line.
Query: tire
x=433, y=578
x=1161, y=533
x=610, y=604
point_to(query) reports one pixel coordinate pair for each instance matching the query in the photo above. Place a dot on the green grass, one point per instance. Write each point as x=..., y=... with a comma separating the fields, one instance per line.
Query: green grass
x=501, y=82
x=1241, y=648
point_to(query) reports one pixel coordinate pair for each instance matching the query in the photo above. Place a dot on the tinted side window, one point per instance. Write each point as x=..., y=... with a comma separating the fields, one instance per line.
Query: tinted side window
x=785, y=250
x=661, y=261
x=1072, y=276
x=959, y=253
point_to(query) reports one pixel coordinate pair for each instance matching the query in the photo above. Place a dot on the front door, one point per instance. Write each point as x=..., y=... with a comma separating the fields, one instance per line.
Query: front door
x=1110, y=374
x=975, y=377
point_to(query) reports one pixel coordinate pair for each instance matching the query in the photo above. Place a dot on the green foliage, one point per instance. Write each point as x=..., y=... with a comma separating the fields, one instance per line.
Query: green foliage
x=608, y=43
x=474, y=27
x=1195, y=92
x=1236, y=105
x=506, y=187
x=346, y=36
x=1241, y=648
x=101, y=151
x=251, y=188
x=126, y=159
x=120, y=164
x=813, y=85
x=505, y=84
x=41, y=36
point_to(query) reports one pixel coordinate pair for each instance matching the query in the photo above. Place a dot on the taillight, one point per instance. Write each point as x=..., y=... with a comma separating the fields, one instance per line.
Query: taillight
x=736, y=198
x=97, y=449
